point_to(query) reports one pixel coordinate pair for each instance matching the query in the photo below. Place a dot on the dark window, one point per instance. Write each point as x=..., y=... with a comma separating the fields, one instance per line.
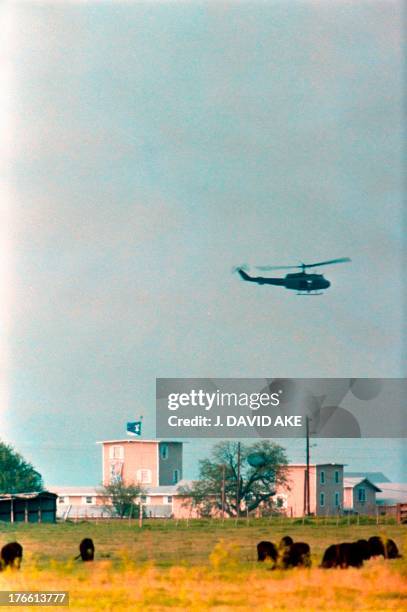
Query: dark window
x=164, y=451
x=322, y=477
x=336, y=476
x=361, y=495
x=322, y=499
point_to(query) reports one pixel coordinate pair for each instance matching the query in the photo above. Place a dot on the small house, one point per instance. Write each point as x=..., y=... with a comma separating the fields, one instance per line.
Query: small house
x=359, y=495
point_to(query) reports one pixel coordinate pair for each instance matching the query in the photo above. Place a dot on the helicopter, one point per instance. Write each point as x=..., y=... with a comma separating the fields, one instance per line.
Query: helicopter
x=303, y=283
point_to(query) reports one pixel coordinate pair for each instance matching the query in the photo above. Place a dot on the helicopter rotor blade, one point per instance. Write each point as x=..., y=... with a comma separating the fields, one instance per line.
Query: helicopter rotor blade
x=304, y=265
x=275, y=267
x=325, y=263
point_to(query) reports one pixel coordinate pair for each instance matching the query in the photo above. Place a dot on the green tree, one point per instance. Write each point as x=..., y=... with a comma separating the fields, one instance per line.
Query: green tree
x=16, y=474
x=257, y=484
x=121, y=499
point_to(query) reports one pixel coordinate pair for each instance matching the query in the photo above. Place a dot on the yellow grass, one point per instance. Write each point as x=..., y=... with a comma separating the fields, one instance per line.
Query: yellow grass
x=218, y=570
x=98, y=587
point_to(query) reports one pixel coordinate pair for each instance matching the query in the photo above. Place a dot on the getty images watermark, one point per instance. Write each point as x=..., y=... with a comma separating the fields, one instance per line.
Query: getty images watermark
x=269, y=408
x=218, y=399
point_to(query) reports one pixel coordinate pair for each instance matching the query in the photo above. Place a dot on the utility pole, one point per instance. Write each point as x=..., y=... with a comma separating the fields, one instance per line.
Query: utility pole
x=238, y=482
x=223, y=492
x=307, y=483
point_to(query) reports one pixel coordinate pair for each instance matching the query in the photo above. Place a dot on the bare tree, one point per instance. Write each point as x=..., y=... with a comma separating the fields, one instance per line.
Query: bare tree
x=218, y=489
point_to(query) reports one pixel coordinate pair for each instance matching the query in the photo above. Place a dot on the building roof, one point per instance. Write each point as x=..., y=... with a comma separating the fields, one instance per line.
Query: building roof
x=95, y=491
x=31, y=495
x=313, y=465
x=375, y=477
x=351, y=483
x=168, y=489
x=69, y=490
x=392, y=493
x=133, y=440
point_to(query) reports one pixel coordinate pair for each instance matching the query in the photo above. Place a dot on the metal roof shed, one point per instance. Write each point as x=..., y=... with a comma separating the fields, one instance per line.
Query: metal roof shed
x=36, y=507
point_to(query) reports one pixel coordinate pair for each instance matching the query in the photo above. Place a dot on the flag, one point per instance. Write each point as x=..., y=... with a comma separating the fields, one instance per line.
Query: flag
x=134, y=428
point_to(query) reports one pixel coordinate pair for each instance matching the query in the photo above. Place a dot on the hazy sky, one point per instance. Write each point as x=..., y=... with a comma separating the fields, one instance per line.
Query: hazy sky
x=153, y=146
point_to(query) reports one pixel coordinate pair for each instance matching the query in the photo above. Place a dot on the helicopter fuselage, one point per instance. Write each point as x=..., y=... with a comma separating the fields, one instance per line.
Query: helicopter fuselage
x=297, y=281
x=301, y=281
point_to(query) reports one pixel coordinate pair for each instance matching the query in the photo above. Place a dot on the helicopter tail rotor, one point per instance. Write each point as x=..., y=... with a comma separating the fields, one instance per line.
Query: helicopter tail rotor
x=244, y=267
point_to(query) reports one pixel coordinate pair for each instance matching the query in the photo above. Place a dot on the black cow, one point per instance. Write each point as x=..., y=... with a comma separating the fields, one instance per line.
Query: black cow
x=387, y=548
x=346, y=554
x=266, y=550
x=86, y=550
x=11, y=555
x=392, y=550
x=351, y=554
x=296, y=554
x=331, y=557
x=285, y=541
x=376, y=546
x=364, y=549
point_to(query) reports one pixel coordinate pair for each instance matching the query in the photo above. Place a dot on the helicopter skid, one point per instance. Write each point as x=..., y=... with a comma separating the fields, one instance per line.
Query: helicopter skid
x=310, y=293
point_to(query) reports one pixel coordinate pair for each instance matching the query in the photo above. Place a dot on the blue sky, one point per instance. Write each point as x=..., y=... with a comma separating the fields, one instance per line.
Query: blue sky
x=155, y=146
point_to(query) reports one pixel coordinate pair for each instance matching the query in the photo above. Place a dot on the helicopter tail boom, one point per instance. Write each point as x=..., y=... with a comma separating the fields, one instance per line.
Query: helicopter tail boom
x=261, y=280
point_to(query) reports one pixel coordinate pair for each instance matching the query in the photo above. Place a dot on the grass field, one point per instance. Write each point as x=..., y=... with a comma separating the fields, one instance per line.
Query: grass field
x=202, y=565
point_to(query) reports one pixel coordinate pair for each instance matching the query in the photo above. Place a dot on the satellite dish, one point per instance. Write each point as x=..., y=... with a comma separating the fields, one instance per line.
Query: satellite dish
x=256, y=460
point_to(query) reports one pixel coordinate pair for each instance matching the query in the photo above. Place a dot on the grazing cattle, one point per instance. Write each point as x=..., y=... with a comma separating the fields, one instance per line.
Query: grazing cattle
x=392, y=550
x=387, y=548
x=364, y=549
x=285, y=541
x=11, y=555
x=266, y=550
x=346, y=554
x=295, y=555
x=86, y=550
x=376, y=546
x=331, y=557
x=351, y=554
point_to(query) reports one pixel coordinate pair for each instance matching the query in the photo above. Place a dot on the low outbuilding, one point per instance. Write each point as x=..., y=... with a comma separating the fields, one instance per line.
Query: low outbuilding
x=36, y=507
x=359, y=495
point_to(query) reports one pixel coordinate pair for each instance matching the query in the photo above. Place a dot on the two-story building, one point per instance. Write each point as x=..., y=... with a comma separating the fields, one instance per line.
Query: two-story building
x=150, y=463
x=325, y=486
